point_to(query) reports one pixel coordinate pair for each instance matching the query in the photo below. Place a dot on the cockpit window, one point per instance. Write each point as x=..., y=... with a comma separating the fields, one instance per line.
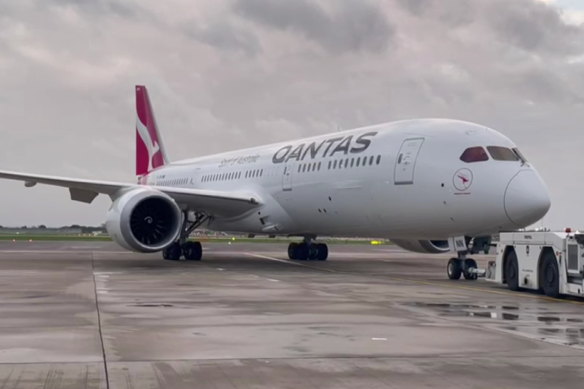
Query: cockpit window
x=502, y=153
x=521, y=156
x=474, y=154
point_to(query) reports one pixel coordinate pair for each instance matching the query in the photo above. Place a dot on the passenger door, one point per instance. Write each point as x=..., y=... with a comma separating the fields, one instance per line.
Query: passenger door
x=405, y=163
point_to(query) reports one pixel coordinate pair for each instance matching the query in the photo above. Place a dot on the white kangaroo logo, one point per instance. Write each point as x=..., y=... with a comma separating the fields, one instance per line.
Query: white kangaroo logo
x=152, y=146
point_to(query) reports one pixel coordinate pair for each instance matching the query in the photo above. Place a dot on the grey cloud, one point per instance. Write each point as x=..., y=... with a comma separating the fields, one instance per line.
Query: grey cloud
x=526, y=24
x=533, y=26
x=225, y=36
x=349, y=26
x=108, y=7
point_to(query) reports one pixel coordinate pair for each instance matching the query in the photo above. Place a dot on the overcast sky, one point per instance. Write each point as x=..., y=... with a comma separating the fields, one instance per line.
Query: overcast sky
x=226, y=74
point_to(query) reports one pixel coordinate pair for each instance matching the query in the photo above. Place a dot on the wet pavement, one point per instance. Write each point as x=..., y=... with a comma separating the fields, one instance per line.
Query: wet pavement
x=75, y=315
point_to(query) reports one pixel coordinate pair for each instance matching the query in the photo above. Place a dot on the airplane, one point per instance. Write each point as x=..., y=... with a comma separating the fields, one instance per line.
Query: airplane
x=425, y=184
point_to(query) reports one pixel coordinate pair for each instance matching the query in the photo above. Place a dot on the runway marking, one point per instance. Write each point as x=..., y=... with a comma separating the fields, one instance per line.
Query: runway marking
x=429, y=283
x=272, y=259
x=378, y=338
x=291, y=262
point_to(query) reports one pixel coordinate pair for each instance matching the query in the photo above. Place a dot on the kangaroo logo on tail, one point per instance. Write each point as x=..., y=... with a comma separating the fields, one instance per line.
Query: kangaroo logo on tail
x=150, y=152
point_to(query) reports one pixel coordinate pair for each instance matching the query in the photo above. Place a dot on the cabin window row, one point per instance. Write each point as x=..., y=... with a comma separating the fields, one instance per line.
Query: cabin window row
x=173, y=182
x=232, y=175
x=354, y=162
x=341, y=163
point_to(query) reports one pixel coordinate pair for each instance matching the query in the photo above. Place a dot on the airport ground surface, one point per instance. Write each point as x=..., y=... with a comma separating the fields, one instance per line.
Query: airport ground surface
x=87, y=315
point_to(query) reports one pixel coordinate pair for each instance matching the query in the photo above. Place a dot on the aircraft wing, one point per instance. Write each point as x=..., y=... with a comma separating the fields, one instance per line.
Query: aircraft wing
x=215, y=202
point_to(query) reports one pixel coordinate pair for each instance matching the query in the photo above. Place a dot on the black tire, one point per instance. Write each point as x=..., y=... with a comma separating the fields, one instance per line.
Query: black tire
x=454, y=269
x=313, y=252
x=512, y=271
x=292, y=250
x=301, y=252
x=470, y=263
x=172, y=252
x=322, y=252
x=193, y=251
x=550, y=276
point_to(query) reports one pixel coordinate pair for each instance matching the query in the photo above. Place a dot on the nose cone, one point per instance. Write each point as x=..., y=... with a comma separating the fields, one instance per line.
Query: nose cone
x=526, y=199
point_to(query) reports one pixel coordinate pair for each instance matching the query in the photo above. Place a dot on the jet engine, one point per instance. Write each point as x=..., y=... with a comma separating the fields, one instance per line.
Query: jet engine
x=423, y=246
x=144, y=220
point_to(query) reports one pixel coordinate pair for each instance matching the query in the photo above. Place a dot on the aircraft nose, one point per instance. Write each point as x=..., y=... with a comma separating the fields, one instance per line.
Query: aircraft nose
x=526, y=199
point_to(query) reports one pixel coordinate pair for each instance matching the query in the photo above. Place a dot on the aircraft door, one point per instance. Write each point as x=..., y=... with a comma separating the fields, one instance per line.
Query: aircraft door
x=287, y=177
x=405, y=163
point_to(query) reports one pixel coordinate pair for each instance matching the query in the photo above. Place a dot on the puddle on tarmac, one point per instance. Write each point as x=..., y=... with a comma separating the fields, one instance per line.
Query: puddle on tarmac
x=534, y=321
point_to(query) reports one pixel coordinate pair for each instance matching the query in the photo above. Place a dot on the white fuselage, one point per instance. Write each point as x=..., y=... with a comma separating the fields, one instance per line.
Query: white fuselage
x=395, y=180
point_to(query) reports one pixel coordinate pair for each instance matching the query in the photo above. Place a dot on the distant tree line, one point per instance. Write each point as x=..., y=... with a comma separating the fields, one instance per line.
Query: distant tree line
x=83, y=229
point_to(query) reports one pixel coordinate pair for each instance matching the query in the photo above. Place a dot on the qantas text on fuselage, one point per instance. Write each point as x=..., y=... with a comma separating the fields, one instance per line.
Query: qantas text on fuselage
x=337, y=146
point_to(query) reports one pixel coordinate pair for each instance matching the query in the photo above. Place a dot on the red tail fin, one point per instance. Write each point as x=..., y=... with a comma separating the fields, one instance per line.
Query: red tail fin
x=150, y=152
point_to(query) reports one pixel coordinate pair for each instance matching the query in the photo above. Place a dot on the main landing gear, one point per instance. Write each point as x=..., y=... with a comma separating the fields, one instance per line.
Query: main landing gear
x=307, y=250
x=192, y=251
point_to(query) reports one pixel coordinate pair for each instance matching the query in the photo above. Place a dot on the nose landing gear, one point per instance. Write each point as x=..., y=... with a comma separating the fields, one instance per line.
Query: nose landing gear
x=466, y=267
x=461, y=265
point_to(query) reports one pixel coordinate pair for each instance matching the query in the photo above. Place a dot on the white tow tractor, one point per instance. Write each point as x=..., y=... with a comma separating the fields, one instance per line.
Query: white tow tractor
x=552, y=262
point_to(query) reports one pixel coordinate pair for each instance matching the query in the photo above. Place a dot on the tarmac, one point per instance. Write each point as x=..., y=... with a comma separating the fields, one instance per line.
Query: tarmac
x=89, y=315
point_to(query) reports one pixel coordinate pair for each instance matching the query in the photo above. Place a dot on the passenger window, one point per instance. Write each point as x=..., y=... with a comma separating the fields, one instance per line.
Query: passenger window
x=474, y=154
x=346, y=162
x=371, y=160
x=378, y=159
x=335, y=164
x=357, y=162
x=499, y=153
x=329, y=165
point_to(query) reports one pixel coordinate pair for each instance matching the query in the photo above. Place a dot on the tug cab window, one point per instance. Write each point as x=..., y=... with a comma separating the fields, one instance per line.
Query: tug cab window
x=499, y=153
x=474, y=154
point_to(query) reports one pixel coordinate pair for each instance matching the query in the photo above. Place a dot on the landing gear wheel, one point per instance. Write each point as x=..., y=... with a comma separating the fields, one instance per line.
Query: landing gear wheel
x=313, y=252
x=512, y=271
x=301, y=252
x=454, y=269
x=469, y=264
x=292, y=250
x=322, y=249
x=192, y=251
x=172, y=252
x=550, y=276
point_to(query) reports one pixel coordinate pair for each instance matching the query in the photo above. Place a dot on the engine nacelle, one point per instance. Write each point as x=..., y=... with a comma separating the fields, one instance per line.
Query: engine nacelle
x=144, y=220
x=423, y=246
